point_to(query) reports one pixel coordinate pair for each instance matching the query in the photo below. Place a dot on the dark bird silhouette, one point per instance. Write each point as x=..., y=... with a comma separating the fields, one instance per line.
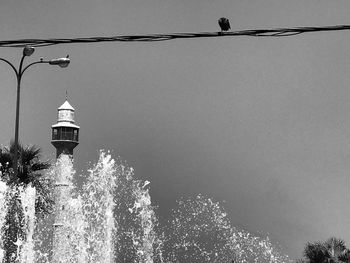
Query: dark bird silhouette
x=224, y=24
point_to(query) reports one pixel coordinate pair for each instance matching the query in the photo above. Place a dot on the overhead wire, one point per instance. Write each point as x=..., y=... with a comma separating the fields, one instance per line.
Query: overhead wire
x=277, y=32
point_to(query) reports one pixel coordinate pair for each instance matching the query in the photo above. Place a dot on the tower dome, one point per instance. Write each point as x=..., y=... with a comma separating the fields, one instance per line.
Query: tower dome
x=65, y=133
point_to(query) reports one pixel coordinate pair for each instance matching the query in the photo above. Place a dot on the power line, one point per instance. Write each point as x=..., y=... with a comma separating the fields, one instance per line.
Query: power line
x=278, y=32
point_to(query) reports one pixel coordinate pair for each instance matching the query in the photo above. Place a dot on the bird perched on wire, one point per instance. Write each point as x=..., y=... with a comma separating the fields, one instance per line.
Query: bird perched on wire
x=224, y=24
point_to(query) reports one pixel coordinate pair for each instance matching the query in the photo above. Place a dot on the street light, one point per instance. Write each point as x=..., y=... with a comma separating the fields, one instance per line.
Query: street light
x=62, y=62
x=28, y=51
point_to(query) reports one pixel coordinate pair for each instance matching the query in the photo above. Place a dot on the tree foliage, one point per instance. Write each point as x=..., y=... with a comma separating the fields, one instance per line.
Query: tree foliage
x=333, y=250
x=30, y=173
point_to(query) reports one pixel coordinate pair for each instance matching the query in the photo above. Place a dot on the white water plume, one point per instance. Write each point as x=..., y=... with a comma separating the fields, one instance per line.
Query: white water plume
x=143, y=242
x=200, y=231
x=98, y=206
x=112, y=219
x=3, y=212
x=27, y=199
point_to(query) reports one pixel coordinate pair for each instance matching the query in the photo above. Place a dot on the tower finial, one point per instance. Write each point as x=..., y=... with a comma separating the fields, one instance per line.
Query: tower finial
x=66, y=94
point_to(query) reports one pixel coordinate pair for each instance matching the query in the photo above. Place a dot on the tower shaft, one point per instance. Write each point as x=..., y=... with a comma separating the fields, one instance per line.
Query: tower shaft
x=65, y=137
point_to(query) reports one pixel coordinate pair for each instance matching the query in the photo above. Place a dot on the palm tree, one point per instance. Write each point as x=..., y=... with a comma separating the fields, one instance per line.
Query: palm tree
x=336, y=250
x=30, y=172
x=315, y=252
x=333, y=250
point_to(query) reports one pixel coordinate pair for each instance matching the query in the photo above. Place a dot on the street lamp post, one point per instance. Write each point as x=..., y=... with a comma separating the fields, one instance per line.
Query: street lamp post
x=27, y=51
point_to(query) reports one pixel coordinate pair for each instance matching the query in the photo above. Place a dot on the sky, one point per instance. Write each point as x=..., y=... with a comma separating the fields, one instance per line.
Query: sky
x=260, y=123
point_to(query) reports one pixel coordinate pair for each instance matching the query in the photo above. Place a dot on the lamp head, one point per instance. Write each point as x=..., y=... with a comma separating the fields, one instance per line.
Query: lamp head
x=62, y=62
x=28, y=51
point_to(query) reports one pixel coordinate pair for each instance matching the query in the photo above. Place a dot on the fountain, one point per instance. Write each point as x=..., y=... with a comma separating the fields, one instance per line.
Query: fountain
x=111, y=219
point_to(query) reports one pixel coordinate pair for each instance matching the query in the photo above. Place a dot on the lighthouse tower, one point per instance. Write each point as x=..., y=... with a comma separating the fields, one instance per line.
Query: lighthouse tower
x=65, y=133
x=65, y=137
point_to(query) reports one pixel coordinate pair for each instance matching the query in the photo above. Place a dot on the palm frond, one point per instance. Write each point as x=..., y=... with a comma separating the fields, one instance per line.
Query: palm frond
x=315, y=252
x=345, y=256
x=30, y=154
x=334, y=248
x=39, y=166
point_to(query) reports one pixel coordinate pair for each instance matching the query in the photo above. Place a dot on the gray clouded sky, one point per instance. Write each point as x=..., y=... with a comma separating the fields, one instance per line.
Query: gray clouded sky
x=262, y=123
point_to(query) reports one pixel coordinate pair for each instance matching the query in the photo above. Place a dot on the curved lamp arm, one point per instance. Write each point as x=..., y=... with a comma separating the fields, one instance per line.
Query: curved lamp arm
x=62, y=62
x=31, y=64
x=12, y=66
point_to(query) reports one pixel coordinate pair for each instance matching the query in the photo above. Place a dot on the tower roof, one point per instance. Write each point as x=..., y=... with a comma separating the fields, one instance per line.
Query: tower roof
x=66, y=106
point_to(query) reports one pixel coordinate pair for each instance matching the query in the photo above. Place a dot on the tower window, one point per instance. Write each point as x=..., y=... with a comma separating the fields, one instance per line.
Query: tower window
x=55, y=135
x=75, y=135
x=67, y=133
